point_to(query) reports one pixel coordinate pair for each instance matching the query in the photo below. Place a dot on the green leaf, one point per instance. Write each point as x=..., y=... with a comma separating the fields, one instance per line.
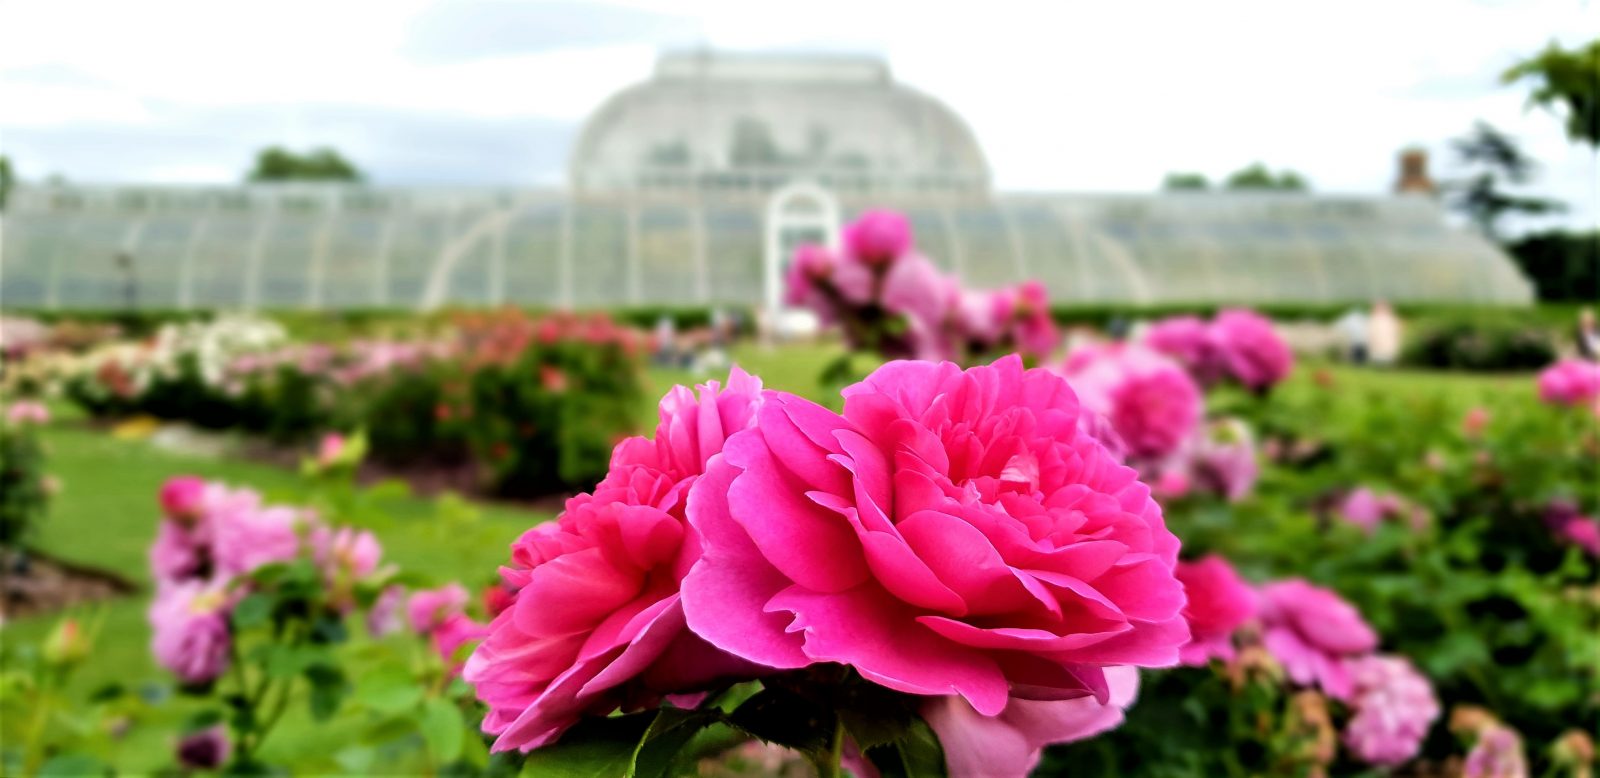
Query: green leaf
x=253, y=611
x=356, y=760
x=780, y=716
x=661, y=743
x=328, y=688
x=76, y=765
x=917, y=753
x=388, y=690
x=874, y=715
x=443, y=729
x=594, y=748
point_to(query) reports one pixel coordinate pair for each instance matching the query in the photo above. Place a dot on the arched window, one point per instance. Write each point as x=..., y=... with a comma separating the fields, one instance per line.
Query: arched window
x=801, y=212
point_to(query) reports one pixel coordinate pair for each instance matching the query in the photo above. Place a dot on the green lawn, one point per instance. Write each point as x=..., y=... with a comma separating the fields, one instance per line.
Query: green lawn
x=106, y=517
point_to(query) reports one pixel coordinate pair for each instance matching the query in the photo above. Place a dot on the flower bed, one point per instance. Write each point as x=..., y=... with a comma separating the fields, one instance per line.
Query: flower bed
x=533, y=404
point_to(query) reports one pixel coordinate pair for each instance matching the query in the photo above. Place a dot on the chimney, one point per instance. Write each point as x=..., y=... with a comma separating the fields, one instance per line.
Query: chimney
x=1414, y=173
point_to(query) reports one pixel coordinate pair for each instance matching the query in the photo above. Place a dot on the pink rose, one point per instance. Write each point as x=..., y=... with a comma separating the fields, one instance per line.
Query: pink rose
x=345, y=552
x=183, y=497
x=1394, y=707
x=1188, y=340
x=455, y=632
x=597, y=622
x=1312, y=632
x=951, y=533
x=429, y=608
x=181, y=552
x=1252, y=350
x=878, y=237
x=1150, y=401
x=808, y=272
x=1219, y=603
x=207, y=749
x=1363, y=508
x=27, y=412
x=1011, y=743
x=385, y=615
x=1223, y=460
x=189, y=621
x=1475, y=422
x=246, y=538
x=329, y=449
x=1570, y=382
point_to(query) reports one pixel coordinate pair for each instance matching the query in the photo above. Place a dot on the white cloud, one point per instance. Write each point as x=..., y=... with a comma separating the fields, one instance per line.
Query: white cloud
x=1064, y=96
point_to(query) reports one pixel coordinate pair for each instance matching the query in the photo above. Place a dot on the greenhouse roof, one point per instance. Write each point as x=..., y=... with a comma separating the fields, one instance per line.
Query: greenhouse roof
x=352, y=246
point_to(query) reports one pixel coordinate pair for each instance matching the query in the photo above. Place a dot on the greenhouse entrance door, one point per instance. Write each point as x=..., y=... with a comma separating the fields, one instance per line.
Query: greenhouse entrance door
x=797, y=214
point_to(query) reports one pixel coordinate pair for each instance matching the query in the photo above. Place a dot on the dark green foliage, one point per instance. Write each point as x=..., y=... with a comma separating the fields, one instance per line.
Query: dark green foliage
x=1479, y=343
x=323, y=164
x=1258, y=177
x=1569, y=80
x=1562, y=265
x=24, y=498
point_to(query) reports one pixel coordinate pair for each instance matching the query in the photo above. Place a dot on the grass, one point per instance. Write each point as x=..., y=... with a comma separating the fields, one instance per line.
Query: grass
x=106, y=517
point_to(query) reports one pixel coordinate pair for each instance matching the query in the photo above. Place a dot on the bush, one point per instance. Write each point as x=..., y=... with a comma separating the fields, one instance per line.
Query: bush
x=1562, y=265
x=1479, y=343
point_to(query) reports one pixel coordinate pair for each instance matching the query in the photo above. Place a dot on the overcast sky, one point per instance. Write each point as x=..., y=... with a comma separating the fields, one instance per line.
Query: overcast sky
x=1091, y=96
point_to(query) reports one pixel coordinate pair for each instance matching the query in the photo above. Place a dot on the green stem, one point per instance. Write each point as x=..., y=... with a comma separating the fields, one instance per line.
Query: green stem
x=828, y=764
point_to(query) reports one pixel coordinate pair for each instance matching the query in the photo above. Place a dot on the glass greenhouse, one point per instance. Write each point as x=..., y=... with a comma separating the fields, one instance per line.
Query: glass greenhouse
x=693, y=187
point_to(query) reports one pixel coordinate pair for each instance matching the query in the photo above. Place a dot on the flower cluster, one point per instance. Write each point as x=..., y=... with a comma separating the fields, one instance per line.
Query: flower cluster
x=890, y=299
x=1394, y=707
x=1152, y=405
x=1236, y=344
x=1318, y=640
x=211, y=539
x=952, y=537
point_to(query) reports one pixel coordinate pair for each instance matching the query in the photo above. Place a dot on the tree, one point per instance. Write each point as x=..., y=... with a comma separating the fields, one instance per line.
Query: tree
x=1495, y=161
x=324, y=164
x=1186, y=182
x=1258, y=177
x=7, y=179
x=1569, y=80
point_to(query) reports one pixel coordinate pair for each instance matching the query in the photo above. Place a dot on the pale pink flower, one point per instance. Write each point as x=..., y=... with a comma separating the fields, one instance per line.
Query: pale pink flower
x=1223, y=459
x=456, y=631
x=951, y=533
x=1150, y=401
x=1219, y=602
x=427, y=609
x=329, y=449
x=1570, y=382
x=27, y=412
x=1312, y=632
x=189, y=621
x=181, y=551
x=1475, y=422
x=1364, y=508
x=1009, y=744
x=387, y=614
x=345, y=551
x=597, y=620
x=1497, y=754
x=244, y=539
x=1394, y=707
